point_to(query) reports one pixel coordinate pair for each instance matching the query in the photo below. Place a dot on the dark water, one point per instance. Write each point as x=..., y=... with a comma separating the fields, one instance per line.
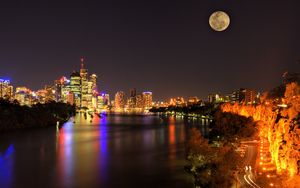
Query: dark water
x=114, y=151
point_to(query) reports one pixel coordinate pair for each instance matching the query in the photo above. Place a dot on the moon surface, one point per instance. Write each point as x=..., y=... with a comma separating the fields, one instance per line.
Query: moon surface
x=219, y=21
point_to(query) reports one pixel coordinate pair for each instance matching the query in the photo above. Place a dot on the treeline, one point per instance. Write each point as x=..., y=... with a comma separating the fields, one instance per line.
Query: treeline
x=211, y=167
x=207, y=109
x=229, y=127
x=14, y=116
x=216, y=165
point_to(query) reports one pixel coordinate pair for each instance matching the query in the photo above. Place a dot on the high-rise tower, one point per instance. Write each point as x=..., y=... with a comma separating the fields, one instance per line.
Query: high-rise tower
x=84, y=84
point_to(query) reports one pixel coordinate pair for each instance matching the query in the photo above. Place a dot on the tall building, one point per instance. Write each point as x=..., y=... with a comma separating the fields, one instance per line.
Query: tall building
x=59, y=87
x=139, y=101
x=120, y=101
x=93, y=79
x=75, y=88
x=132, y=99
x=50, y=93
x=132, y=92
x=147, y=98
x=238, y=95
x=250, y=96
x=6, y=90
x=84, y=85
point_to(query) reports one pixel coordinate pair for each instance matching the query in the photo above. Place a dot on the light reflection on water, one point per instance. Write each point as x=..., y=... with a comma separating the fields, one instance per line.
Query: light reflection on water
x=6, y=166
x=111, y=151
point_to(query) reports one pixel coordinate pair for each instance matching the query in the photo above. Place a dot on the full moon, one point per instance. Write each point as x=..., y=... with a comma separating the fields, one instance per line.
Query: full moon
x=219, y=21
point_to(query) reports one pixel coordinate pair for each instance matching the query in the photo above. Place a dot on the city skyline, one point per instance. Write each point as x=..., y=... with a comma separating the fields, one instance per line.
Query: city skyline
x=141, y=44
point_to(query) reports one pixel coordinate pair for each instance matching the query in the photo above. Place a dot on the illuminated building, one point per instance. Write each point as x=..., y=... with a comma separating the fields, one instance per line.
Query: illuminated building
x=106, y=98
x=60, y=91
x=238, y=96
x=147, y=98
x=103, y=102
x=215, y=98
x=247, y=96
x=6, y=90
x=70, y=98
x=84, y=85
x=75, y=88
x=192, y=100
x=93, y=79
x=251, y=96
x=50, y=93
x=139, y=101
x=179, y=101
x=131, y=102
x=132, y=92
x=24, y=96
x=160, y=104
x=132, y=99
x=40, y=95
x=88, y=88
x=120, y=100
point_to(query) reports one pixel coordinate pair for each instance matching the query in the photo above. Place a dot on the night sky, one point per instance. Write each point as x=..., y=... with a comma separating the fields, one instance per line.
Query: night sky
x=166, y=47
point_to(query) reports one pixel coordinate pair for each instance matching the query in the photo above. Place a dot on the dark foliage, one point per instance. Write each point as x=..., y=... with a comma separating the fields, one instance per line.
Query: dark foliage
x=196, y=108
x=14, y=116
x=230, y=126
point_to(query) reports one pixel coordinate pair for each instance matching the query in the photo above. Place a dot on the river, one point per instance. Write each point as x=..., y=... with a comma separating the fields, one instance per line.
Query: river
x=112, y=151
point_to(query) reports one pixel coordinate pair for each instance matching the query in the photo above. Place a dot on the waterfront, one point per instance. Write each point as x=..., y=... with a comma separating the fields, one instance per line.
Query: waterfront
x=112, y=151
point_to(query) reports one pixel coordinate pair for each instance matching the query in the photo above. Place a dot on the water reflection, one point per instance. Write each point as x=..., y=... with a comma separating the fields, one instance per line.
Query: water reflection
x=109, y=151
x=6, y=166
x=64, y=153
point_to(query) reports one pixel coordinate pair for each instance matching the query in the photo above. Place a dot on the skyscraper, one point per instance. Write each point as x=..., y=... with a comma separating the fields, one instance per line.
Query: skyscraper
x=147, y=98
x=84, y=85
x=93, y=79
x=120, y=100
x=6, y=90
x=75, y=88
x=250, y=96
x=132, y=92
x=132, y=99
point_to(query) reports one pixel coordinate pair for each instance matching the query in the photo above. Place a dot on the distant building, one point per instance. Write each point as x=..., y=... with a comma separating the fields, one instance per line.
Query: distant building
x=132, y=92
x=192, y=100
x=40, y=95
x=6, y=90
x=238, y=95
x=147, y=98
x=179, y=101
x=60, y=88
x=50, y=93
x=24, y=96
x=139, y=101
x=120, y=100
x=247, y=96
x=251, y=96
x=215, y=98
x=75, y=88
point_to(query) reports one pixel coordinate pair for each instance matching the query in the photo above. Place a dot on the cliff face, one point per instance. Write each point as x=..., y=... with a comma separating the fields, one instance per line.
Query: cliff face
x=280, y=125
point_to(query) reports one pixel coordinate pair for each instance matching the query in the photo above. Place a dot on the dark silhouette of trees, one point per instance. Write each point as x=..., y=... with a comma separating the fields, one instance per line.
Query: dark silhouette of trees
x=196, y=108
x=232, y=126
x=14, y=116
x=210, y=166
